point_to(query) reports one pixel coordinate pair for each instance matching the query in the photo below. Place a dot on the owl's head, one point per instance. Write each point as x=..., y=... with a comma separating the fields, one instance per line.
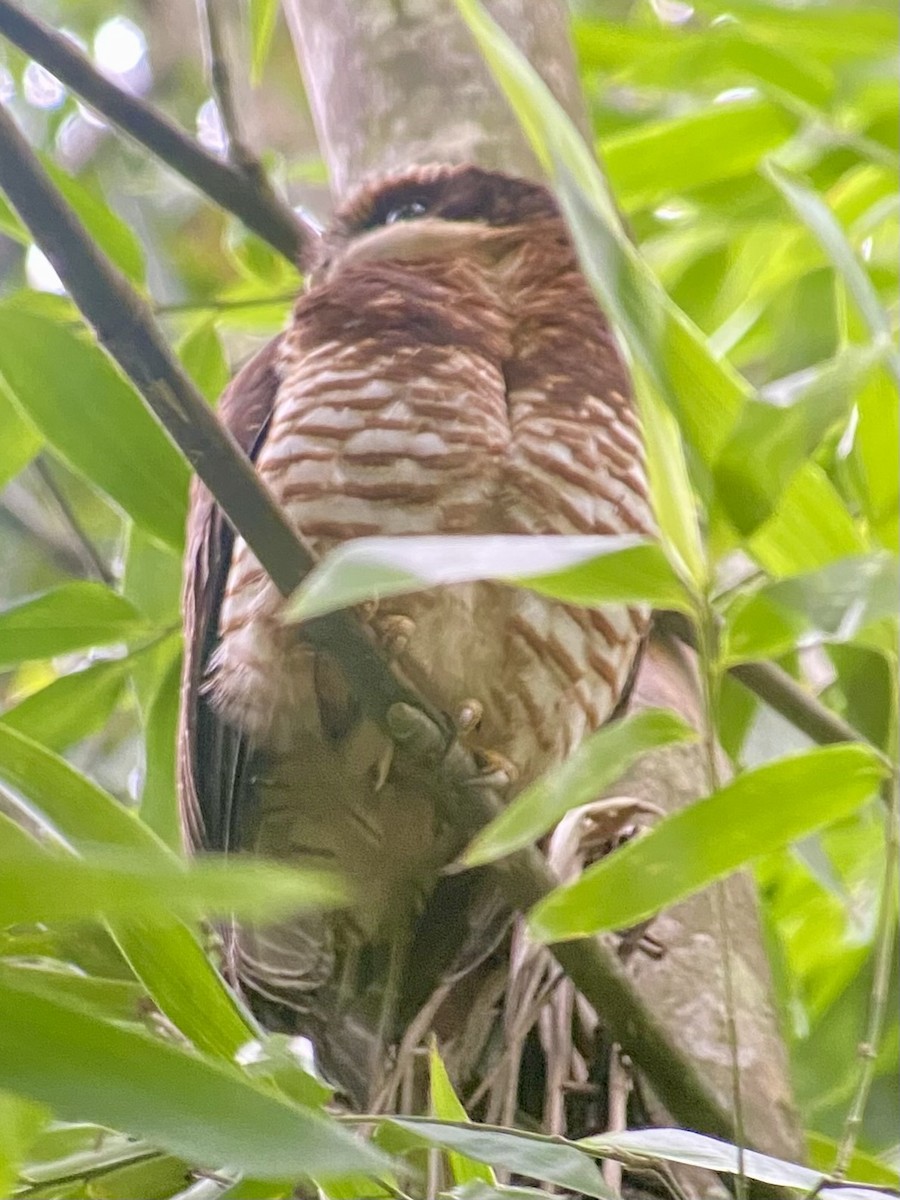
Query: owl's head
x=436, y=210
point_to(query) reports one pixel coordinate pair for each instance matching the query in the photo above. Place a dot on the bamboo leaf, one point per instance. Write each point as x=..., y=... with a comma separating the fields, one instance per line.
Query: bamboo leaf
x=204, y=360
x=19, y=440
x=643, y=1147
x=658, y=160
x=205, y=1113
x=71, y=707
x=159, y=802
x=114, y=237
x=583, y=777
x=822, y=223
x=769, y=445
x=580, y=570
x=756, y=813
x=263, y=16
x=446, y=1105
x=20, y=1124
x=75, y=616
x=166, y=956
x=550, y=1159
x=42, y=887
x=94, y=420
x=833, y=604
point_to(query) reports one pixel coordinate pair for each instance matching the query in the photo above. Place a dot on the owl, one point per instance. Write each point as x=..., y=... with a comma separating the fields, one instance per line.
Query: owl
x=447, y=371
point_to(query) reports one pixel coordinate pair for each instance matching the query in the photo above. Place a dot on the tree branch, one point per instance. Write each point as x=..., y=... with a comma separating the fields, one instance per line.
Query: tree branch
x=239, y=151
x=92, y=557
x=776, y=689
x=248, y=196
x=125, y=326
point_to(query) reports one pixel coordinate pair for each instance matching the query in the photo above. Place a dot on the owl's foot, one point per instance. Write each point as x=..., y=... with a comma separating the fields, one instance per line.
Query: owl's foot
x=467, y=718
x=494, y=770
x=382, y=768
x=393, y=631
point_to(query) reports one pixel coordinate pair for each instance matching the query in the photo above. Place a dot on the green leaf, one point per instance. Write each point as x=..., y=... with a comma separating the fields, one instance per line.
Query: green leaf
x=172, y=965
x=255, y=1189
x=276, y=1058
x=644, y=1147
x=822, y=1154
x=778, y=255
x=810, y=527
x=550, y=1159
x=71, y=707
x=598, y=762
x=769, y=445
x=661, y=56
x=874, y=457
x=862, y=30
x=159, y=802
x=20, y=1123
x=155, y=1178
x=166, y=957
x=581, y=570
x=482, y=1191
x=87, y=1069
x=95, y=421
x=112, y=999
x=115, y=238
x=263, y=15
x=756, y=813
x=670, y=488
x=65, y=1151
x=37, y=886
x=75, y=616
x=203, y=358
x=19, y=440
x=822, y=223
x=657, y=160
x=152, y=582
x=833, y=604
x=446, y=1105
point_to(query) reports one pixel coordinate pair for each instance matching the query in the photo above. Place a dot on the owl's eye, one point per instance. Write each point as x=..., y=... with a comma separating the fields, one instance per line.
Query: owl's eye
x=406, y=212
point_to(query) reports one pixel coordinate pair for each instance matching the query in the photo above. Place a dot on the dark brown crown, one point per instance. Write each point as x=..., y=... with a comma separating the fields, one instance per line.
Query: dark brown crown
x=453, y=193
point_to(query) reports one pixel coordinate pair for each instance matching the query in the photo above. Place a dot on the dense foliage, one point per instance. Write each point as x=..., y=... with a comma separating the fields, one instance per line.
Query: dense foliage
x=752, y=148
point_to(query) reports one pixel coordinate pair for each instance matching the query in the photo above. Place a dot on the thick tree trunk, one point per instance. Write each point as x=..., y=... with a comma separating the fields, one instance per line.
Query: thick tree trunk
x=396, y=82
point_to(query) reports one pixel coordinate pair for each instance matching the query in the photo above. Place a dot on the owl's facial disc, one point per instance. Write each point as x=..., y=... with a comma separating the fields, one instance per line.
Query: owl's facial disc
x=415, y=240
x=434, y=211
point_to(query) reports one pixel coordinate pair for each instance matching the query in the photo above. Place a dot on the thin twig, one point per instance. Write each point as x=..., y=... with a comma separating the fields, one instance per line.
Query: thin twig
x=125, y=326
x=779, y=691
x=190, y=306
x=91, y=556
x=710, y=680
x=881, y=981
x=254, y=202
x=62, y=554
x=239, y=152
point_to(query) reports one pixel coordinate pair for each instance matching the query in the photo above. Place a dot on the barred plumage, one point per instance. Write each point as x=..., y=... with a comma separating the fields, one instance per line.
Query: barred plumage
x=448, y=373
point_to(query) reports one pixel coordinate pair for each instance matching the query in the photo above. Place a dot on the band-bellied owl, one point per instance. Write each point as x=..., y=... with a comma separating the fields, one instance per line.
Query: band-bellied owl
x=446, y=372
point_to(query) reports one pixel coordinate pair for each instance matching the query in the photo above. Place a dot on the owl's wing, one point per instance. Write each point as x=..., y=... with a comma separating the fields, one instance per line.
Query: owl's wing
x=212, y=757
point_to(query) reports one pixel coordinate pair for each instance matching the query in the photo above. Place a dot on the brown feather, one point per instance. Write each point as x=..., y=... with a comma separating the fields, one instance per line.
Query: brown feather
x=446, y=375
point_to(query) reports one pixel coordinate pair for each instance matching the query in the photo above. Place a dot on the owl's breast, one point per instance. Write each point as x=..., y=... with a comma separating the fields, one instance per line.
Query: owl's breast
x=363, y=441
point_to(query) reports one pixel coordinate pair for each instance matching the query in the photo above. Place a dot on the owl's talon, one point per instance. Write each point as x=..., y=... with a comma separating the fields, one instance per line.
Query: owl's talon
x=394, y=632
x=468, y=716
x=494, y=770
x=382, y=768
x=367, y=610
